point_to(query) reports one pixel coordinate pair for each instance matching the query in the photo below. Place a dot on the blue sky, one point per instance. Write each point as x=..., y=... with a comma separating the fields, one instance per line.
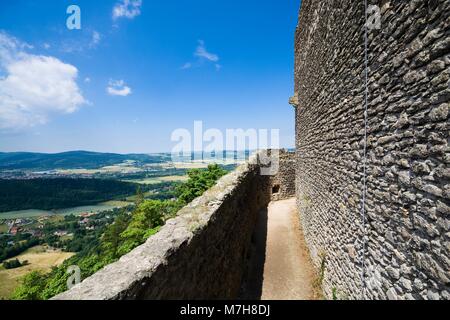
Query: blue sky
x=138, y=70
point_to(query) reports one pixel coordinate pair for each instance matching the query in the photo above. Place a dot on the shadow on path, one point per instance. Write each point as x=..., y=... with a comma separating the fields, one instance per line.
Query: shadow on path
x=253, y=280
x=279, y=264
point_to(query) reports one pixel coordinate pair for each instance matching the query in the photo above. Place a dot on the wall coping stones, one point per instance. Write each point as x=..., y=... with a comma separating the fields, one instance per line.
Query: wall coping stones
x=115, y=280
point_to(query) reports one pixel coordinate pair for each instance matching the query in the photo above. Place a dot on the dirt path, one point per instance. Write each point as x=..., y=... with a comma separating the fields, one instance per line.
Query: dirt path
x=280, y=267
x=287, y=270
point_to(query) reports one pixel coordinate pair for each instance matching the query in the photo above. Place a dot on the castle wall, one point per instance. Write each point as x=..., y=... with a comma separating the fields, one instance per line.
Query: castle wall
x=200, y=254
x=400, y=247
x=283, y=182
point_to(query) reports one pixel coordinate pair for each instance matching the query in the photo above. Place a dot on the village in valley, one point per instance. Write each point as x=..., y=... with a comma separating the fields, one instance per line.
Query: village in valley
x=42, y=242
x=52, y=209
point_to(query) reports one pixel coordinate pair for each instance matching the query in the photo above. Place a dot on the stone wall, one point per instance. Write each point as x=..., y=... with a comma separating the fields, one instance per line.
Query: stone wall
x=283, y=182
x=200, y=254
x=405, y=251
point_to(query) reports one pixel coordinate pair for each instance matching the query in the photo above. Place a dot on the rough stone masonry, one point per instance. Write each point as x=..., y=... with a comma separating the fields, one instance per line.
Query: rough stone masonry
x=400, y=248
x=283, y=181
x=200, y=254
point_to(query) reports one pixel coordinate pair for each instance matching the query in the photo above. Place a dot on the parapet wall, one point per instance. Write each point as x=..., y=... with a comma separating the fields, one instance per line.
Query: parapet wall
x=200, y=254
x=283, y=182
x=400, y=247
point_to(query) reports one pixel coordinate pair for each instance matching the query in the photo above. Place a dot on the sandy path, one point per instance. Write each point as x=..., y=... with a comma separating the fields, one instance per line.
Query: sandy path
x=288, y=274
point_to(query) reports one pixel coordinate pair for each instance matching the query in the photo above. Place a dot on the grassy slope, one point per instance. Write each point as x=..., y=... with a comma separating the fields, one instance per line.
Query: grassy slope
x=39, y=258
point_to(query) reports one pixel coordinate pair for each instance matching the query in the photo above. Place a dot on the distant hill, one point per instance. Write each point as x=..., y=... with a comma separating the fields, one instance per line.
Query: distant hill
x=69, y=160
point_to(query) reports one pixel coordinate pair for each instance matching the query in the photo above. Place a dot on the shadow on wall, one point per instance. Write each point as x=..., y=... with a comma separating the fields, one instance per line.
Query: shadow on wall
x=254, y=276
x=202, y=253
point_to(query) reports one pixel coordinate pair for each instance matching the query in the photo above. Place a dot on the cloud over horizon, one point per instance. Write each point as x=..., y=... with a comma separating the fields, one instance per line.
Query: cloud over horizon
x=34, y=86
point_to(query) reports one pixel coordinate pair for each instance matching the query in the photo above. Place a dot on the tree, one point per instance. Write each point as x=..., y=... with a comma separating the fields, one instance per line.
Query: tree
x=33, y=285
x=111, y=238
x=126, y=233
x=139, y=196
x=12, y=264
x=199, y=181
x=148, y=215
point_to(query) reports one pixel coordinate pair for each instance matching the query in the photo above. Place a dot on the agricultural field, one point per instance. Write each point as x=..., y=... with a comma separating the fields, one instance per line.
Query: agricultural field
x=104, y=170
x=39, y=258
x=198, y=164
x=133, y=199
x=21, y=214
x=116, y=203
x=188, y=165
x=173, y=178
x=156, y=180
x=3, y=228
x=104, y=206
x=108, y=205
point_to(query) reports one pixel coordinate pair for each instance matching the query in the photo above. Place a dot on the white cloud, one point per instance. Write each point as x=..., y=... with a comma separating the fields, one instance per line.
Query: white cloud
x=203, y=56
x=201, y=52
x=127, y=9
x=35, y=86
x=87, y=80
x=96, y=37
x=187, y=65
x=87, y=40
x=11, y=48
x=118, y=88
x=46, y=46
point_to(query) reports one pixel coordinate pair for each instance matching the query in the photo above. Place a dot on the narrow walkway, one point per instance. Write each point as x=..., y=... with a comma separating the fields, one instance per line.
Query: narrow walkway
x=280, y=267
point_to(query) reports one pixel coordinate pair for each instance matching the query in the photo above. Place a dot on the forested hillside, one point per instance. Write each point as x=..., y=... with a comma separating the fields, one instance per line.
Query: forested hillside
x=48, y=194
x=126, y=233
